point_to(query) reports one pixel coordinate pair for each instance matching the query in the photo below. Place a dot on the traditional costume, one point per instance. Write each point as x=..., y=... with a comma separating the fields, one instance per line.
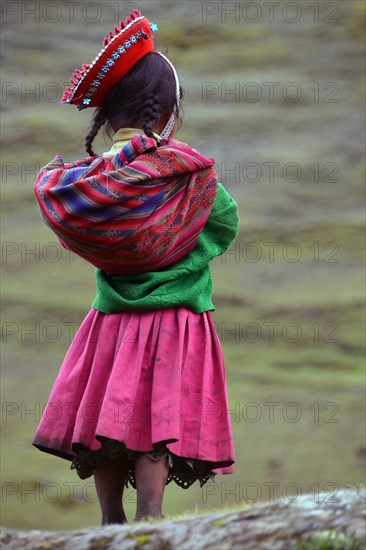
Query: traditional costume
x=145, y=372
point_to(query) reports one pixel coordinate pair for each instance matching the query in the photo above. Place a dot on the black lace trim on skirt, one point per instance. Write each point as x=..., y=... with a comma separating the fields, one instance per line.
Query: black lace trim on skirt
x=183, y=471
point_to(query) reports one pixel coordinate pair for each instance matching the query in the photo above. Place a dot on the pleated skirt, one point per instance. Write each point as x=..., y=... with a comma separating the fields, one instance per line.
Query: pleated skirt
x=142, y=382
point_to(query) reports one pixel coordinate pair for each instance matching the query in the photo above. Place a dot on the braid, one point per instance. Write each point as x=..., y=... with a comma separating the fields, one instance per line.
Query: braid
x=150, y=114
x=99, y=119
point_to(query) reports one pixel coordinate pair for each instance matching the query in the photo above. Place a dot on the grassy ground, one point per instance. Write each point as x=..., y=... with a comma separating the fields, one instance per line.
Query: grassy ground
x=290, y=294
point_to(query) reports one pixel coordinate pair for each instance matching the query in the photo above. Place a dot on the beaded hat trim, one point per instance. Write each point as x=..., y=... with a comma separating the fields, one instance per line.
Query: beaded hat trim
x=108, y=64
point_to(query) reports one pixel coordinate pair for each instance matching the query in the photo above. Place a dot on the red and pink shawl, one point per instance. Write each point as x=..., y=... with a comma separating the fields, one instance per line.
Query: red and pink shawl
x=139, y=211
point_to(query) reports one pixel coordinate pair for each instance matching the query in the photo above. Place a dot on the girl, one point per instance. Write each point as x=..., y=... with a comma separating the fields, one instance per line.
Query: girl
x=141, y=396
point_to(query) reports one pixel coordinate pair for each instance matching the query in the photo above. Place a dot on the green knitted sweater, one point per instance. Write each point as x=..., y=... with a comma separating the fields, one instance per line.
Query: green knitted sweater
x=185, y=283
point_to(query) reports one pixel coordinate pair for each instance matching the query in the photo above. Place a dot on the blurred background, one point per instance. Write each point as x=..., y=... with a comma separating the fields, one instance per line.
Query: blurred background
x=274, y=91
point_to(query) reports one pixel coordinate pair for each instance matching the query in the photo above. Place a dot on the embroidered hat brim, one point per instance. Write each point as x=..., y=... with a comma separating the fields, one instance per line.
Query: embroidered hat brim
x=121, y=51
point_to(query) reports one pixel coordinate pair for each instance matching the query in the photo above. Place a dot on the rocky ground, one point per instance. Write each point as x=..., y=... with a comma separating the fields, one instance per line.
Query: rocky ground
x=307, y=524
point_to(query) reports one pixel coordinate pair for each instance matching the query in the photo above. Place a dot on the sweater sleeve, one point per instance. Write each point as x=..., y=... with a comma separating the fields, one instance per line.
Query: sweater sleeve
x=222, y=226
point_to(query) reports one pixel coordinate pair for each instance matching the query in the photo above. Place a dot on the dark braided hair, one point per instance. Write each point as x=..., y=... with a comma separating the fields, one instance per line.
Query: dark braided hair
x=143, y=98
x=99, y=119
x=150, y=113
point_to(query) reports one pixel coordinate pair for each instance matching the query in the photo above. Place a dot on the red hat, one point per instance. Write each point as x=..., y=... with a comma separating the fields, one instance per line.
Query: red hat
x=121, y=51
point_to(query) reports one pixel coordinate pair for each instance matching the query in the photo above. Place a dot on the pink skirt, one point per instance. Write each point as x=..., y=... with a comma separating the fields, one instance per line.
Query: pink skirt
x=142, y=382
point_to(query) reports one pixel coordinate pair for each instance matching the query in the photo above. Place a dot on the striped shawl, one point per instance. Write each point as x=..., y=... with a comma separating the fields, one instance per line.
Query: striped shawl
x=139, y=211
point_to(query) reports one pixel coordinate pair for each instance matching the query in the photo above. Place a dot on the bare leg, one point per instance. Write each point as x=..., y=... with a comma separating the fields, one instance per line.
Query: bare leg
x=150, y=477
x=109, y=483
